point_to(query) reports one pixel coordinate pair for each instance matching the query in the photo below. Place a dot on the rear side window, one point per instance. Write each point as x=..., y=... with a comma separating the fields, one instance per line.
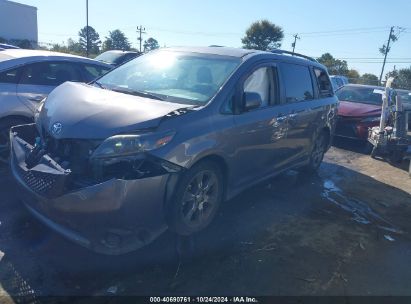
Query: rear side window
x=323, y=82
x=10, y=76
x=50, y=73
x=91, y=72
x=297, y=81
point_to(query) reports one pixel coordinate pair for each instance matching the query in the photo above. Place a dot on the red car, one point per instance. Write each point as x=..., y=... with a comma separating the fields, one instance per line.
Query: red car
x=360, y=109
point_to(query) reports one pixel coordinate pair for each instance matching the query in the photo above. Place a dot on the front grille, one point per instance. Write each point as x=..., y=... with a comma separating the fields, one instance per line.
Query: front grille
x=39, y=182
x=43, y=181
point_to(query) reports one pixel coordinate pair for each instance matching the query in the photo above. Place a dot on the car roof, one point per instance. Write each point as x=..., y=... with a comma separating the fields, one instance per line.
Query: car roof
x=247, y=53
x=121, y=52
x=363, y=86
x=14, y=57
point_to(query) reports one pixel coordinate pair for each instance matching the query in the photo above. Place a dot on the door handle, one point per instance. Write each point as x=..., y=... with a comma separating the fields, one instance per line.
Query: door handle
x=37, y=98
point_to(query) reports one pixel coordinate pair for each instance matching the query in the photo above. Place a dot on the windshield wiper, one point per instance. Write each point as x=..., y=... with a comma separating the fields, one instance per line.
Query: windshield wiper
x=100, y=85
x=137, y=93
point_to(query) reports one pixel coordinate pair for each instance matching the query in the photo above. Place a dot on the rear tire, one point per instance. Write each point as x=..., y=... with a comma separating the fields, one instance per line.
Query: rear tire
x=196, y=199
x=317, y=154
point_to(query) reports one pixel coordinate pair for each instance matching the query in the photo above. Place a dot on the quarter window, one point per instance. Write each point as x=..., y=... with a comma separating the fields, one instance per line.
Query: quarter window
x=297, y=81
x=324, y=85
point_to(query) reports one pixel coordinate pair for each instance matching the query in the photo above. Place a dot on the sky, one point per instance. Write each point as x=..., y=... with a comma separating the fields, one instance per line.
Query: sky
x=352, y=30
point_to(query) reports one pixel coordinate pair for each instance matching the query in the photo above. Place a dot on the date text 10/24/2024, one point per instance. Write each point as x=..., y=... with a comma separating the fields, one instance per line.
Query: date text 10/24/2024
x=203, y=300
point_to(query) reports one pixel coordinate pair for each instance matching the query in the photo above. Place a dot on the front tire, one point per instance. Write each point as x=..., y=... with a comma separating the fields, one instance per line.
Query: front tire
x=196, y=200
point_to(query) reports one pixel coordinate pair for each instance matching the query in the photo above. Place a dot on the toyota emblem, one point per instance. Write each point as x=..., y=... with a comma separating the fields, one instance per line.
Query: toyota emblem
x=56, y=128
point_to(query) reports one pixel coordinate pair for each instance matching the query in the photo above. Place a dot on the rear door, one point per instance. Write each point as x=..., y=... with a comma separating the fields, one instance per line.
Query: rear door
x=40, y=78
x=306, y=92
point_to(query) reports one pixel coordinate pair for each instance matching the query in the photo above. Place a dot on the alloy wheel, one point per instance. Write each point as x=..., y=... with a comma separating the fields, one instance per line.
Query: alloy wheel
x=200, y=199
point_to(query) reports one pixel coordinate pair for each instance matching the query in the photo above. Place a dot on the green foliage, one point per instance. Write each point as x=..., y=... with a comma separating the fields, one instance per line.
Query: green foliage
x=94, y=40
x=403, y=78
x=353, y=76
x=150, y=44
x=263, y=35
x=334, y=66
x=369, y=79
x=116, y=40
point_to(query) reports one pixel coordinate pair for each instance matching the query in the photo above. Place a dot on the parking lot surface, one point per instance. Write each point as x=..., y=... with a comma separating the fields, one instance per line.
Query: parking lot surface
x=344, y=231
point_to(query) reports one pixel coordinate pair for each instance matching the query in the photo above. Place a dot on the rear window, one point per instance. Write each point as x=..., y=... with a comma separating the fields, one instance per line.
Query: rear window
x=369, y=95
x=297, y=81
x=323, y=82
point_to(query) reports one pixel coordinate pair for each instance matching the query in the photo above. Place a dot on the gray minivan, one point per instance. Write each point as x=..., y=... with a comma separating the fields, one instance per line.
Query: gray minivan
x=162, y=140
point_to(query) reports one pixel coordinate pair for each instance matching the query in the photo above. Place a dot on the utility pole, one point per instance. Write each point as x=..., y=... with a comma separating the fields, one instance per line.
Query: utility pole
x=387, y=49
x=140, y=31
x=87, y=33
x=295, y=41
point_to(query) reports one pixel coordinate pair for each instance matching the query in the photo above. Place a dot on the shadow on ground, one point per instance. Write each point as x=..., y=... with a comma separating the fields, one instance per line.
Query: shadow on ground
x=337, y=233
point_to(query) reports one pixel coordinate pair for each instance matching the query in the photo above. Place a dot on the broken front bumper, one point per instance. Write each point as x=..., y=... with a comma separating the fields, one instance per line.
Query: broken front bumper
x=113, y=217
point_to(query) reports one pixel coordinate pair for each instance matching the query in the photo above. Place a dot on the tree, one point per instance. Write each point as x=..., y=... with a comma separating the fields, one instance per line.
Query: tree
x=353, y=75
x=150, y=44
x=116, y=40
x=403, y=78
x=94, y=40
x=369, y=79
x=263, y=35
x=334, y=66
x=74, y=47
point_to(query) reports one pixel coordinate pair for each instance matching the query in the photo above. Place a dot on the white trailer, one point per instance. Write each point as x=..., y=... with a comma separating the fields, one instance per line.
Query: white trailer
x=18, y=21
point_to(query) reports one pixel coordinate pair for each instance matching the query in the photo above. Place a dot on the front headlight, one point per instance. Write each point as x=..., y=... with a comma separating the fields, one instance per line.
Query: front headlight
x=125, y=145
x=371, y=119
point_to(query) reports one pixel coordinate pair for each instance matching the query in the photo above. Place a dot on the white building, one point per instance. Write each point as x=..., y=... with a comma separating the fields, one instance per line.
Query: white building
x=18, y=21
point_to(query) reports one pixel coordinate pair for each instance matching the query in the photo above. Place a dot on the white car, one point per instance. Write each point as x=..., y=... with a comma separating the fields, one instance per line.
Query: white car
x=28, y=76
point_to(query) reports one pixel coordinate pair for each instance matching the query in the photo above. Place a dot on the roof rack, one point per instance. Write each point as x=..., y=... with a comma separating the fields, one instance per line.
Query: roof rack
x=293, y=54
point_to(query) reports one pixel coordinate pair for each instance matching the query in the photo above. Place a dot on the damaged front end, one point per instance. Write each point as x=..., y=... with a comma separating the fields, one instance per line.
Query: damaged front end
x=106, y=195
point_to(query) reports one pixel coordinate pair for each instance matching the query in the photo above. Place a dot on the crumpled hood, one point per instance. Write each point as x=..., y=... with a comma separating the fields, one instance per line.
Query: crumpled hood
x=355, y=109
x=84, y=111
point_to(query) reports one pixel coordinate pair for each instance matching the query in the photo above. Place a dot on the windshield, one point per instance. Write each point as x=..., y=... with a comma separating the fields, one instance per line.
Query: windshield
x=171, y=76
x=109, y=57
x=405, y=96
x=369, y=95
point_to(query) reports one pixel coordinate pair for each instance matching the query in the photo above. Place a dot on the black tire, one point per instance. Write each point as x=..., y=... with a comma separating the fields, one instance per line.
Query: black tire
x=5, y=126
x=196, y=200
x=317, y=154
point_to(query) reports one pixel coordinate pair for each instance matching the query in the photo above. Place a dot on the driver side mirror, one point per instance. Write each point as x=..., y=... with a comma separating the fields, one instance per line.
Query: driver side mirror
x=252, y=100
